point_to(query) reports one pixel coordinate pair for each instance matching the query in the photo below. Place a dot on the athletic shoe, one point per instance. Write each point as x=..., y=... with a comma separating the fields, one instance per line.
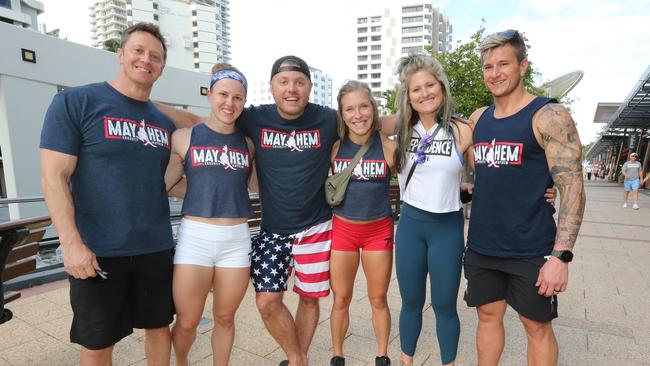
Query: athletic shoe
x=625, y=205
x=635, y=206
x=382, y=361
x=284, y=363
x=337, y=361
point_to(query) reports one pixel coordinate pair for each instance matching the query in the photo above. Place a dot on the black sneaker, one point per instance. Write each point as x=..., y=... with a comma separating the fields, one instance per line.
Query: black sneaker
x=382, y=361
x=337, y=361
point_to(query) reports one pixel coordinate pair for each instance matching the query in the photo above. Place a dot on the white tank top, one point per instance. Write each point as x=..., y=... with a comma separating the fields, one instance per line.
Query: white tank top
x=435, y=184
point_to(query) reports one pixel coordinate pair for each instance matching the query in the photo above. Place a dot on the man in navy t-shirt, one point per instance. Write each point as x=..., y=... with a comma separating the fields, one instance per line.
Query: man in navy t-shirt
x=104, y=151
x=523, y=144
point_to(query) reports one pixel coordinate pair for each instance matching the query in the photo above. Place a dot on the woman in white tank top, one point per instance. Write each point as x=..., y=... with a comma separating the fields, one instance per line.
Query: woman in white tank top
x=432, y=150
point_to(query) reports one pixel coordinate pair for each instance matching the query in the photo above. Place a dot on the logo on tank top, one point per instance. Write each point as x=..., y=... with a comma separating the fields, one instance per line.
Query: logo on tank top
x=293, y=141
x=495, y=154
x=364, y=170
x=437, y=147
x=141, y=132
x=229, y=159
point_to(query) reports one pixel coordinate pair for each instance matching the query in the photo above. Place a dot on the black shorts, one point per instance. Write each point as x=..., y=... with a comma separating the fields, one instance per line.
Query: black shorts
x=137, y=294
x=491, y=279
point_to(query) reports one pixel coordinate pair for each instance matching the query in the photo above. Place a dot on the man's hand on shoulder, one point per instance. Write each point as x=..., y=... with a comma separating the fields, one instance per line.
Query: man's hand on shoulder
x=476, y=115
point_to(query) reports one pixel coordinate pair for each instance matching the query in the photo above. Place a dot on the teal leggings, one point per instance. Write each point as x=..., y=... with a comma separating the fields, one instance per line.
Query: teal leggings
x=429, y=243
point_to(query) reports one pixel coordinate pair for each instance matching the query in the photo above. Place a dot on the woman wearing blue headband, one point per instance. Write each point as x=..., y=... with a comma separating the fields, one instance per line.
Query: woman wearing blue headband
x=214, y=241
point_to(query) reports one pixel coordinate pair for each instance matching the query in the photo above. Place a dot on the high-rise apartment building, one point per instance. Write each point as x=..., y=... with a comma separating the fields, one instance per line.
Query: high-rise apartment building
x=386, y=35
x=197, y=31
x=321, y=90
x=22, y=13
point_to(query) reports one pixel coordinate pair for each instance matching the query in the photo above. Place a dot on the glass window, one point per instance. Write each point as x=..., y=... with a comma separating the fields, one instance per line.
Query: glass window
x=411, y=39
x=412, y=19
x=412, y=9
x=412, y=29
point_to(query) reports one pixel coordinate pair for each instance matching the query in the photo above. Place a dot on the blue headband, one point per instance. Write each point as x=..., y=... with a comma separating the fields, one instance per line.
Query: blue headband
x=228, y=74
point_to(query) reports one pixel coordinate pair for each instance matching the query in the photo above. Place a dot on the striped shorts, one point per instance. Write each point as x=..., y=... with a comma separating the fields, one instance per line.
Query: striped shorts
x=276, y=255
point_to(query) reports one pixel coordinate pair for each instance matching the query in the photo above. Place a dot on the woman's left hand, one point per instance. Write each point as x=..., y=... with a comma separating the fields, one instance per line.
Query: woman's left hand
x=550, y=195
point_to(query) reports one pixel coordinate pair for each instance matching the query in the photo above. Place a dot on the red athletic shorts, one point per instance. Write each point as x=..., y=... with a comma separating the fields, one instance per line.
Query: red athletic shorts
x=347, y=236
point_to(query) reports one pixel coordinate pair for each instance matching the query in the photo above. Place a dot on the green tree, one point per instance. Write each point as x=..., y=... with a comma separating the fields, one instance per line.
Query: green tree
x=112, y=44
x=390, y=96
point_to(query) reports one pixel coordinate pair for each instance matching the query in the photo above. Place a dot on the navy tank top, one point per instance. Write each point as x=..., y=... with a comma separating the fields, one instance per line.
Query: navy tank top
x=368, y=193
x=510, y=216
x=217, y=167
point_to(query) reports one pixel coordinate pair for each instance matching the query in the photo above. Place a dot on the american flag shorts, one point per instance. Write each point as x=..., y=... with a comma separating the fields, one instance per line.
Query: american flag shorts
x=276, y=255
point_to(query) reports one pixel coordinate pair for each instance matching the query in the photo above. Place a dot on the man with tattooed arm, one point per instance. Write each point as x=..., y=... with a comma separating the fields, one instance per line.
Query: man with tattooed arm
x=515, y=254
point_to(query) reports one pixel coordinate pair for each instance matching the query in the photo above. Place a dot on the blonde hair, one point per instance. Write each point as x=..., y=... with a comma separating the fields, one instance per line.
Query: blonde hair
x=511, y=37
x=349, y=87
x=406, y=116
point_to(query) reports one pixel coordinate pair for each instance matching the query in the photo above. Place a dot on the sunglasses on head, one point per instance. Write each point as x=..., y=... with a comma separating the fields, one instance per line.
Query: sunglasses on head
x=509, y=34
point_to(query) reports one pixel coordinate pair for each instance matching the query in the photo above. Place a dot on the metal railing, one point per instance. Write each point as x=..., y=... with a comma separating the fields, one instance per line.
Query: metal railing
x=22, y=200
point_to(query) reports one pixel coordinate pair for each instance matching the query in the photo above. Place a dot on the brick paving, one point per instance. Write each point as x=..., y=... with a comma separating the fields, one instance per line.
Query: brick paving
x=604, y=315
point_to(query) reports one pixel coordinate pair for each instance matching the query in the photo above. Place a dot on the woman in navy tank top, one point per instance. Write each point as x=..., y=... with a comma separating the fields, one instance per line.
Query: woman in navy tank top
x=214, y=241
x=362, y=226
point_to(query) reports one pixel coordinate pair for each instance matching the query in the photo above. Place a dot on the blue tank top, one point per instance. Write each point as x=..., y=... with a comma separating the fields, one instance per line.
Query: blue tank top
x=217, y=167
x=368, y=193
x=510, y=217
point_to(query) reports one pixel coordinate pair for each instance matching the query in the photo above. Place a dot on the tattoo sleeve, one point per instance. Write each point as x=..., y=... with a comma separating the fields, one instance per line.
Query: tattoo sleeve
x=561, y=144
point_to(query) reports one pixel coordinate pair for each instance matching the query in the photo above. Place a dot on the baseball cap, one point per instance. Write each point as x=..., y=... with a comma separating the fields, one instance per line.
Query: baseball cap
x=300, y=66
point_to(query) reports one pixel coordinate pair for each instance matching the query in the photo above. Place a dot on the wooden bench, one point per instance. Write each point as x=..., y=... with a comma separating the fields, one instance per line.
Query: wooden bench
x=18, y=249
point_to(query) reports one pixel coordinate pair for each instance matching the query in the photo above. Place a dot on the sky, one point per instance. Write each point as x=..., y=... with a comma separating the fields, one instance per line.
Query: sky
x=607, y=40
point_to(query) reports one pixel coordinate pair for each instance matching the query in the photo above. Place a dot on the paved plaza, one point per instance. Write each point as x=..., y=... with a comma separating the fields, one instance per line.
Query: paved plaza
x=604, y=315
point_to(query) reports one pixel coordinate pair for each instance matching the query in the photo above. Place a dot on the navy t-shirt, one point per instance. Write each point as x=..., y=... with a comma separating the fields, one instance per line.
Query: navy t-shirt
x=292, y=161
x=118, y=189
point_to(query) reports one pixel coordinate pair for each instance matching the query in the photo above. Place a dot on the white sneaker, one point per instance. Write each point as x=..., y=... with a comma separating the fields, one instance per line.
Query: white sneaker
x=635, y=206
x=625, y=205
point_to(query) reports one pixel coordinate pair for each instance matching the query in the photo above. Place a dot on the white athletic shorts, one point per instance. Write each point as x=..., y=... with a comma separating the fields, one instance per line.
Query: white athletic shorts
x=210, y=245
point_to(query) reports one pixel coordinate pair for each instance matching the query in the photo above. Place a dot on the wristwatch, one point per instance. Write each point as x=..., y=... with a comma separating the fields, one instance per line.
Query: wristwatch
x=565, y=256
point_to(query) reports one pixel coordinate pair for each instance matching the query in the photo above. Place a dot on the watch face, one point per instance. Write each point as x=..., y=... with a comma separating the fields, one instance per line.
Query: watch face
x=566, y=256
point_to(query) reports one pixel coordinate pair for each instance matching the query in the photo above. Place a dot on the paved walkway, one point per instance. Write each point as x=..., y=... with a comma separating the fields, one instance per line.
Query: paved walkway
x=604, y=315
